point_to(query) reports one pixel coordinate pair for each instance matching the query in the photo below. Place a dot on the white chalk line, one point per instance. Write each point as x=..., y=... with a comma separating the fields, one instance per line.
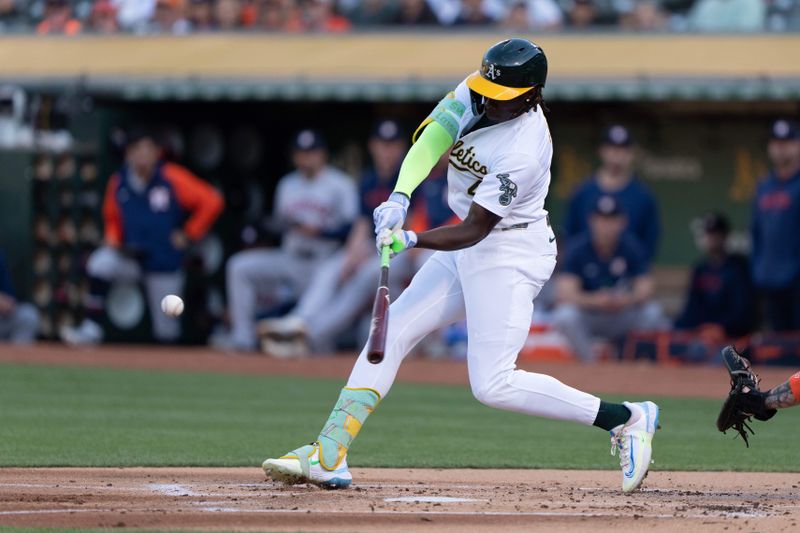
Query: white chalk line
x=407, y=512
x=431, y=499
x=171, y=489
x=54, y=511
x=487, y=513
x=30, y=485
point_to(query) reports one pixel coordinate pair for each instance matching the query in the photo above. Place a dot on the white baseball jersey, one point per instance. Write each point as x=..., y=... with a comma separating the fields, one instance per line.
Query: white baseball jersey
x=328, y=201
x=504, y=168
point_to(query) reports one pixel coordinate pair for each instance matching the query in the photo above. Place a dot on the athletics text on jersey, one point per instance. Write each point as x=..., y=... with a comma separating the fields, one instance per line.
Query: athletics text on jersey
x=504, y=168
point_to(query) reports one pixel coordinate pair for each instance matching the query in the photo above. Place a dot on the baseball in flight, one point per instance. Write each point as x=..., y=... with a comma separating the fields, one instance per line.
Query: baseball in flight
x=172, y=305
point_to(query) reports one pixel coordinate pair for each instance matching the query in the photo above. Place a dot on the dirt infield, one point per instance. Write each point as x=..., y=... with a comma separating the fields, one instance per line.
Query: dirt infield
x=637, y=379
x=398, y=500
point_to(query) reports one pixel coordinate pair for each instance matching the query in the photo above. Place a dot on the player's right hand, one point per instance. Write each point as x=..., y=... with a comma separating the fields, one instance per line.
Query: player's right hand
x=391, y=214
x=398, y=240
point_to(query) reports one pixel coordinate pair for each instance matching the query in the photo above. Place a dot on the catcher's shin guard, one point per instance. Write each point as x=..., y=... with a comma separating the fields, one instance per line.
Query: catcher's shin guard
x=347, y=417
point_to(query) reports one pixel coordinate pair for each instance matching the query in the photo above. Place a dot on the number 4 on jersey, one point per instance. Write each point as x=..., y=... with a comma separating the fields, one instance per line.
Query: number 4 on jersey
x=474, y=187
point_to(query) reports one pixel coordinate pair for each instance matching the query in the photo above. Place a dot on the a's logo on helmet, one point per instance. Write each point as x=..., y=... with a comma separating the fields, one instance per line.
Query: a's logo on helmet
x=492, y=72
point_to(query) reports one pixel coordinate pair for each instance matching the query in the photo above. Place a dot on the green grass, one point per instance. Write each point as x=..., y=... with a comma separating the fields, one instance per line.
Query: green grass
x=9, y=529
x=53, y=416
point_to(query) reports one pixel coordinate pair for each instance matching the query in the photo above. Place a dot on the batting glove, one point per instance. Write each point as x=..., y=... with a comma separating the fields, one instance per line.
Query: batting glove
x=398, y=240
x=391, y=214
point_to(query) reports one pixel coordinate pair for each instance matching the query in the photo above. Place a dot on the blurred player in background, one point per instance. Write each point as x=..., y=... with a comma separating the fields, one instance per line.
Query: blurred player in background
x=720, y=301
x=315, y=207
x=604, y=288
x=153, y=211
x=19, y=322
x=776, y=219
x=487, y=269
x=344, y=285
x=616, y=178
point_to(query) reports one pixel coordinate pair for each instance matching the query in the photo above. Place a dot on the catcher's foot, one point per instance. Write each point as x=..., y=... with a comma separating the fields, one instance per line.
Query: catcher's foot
x=634, y=441
x=302, y=466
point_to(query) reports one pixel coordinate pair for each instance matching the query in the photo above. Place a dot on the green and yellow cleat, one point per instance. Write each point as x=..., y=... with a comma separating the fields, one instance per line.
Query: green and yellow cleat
x=302, y=466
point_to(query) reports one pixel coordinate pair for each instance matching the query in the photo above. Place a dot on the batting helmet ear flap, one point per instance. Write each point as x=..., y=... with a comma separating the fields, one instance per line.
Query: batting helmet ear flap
x=478, y=102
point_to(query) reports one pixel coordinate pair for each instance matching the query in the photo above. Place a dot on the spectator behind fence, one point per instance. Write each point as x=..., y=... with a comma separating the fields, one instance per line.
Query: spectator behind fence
x=10, y=16
x=103, y=18
x=533, y=15
x=58, y=19
x=776, y=219
x=170, y=16
x=315, y=207
x=644, y=15
x=19, y=322
x=414, y=13
x=152, y=211
x=228, y=14
x=133, y=15
x=728, y=15
x=477, y=13
x=201, y=15
x=616, y=178
x=720, y=298
x=604, y=288
x=581, y=14
x=783, y=15
x=344, y=285
x=317, y=16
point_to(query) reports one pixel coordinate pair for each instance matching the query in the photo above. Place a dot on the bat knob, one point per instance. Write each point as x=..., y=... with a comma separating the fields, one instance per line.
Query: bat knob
x=374, y=357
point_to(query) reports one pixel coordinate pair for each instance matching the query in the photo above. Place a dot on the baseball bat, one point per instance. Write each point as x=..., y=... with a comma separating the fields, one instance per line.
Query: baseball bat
x=376, y=344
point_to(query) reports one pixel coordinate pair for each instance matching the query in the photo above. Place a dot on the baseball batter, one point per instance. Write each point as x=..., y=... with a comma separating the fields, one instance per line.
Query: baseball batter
x=487, y=269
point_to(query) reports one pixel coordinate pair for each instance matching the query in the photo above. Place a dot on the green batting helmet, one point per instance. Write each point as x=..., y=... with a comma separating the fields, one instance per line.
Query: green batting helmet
x=509, y=69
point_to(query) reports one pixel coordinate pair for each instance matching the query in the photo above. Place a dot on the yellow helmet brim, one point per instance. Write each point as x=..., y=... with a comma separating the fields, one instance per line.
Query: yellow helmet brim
x=492, y=90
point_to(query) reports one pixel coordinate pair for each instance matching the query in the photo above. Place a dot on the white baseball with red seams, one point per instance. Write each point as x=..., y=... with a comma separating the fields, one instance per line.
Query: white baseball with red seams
x=172, y=305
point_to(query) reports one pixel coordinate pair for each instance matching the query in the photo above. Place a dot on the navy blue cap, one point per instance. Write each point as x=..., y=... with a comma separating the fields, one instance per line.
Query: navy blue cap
x=138, y=132
x=607, y=206
x=617, y=135
x=716, y=223
x=309, y=139
x=784, y=129
x=387, y=130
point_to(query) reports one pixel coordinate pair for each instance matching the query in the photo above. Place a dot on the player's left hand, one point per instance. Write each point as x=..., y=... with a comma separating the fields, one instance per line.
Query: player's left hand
x=391, y=213
x=398, y=240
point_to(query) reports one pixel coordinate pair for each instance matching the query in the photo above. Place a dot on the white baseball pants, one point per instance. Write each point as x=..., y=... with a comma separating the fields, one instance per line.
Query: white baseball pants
x=492, y=285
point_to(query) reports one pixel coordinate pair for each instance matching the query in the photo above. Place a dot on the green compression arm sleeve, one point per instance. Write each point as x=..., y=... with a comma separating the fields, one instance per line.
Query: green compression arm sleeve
x=422, y=157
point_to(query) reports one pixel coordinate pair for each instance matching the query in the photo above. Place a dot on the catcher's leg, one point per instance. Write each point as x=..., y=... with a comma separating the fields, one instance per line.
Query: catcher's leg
x=433, y=300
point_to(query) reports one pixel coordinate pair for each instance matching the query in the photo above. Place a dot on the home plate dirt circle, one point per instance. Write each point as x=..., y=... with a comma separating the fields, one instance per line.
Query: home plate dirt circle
x=397, y=500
